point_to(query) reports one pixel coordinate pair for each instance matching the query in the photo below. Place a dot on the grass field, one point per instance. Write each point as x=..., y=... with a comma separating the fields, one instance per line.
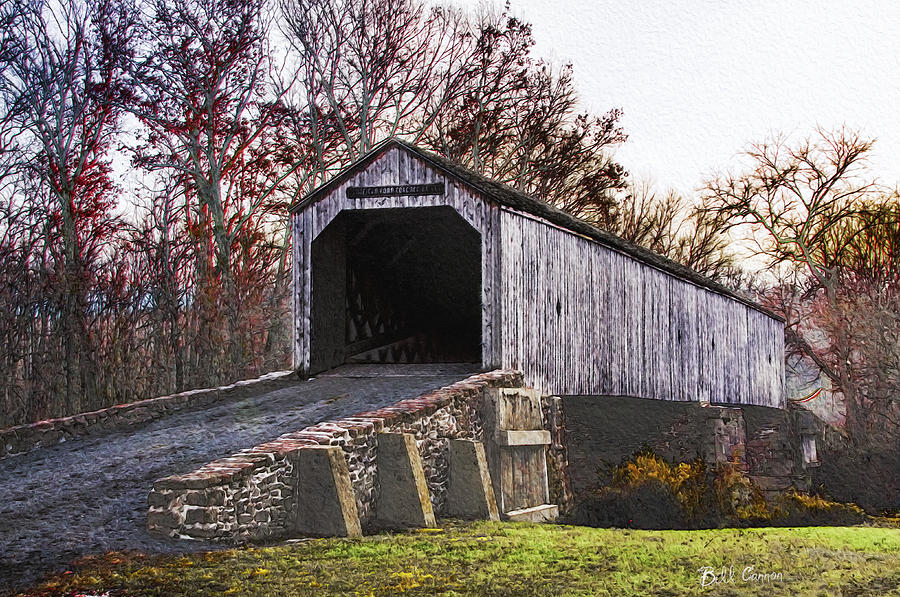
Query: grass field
x=519, y=559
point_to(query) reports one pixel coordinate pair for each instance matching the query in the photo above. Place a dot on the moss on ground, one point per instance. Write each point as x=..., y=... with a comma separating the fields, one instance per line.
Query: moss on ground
x=516, y=559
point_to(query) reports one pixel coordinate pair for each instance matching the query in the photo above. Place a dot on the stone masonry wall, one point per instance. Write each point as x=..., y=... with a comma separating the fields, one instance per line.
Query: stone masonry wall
x=557, y=453
x=605, y=431
x=23, y=438
x=774, y=458
x=251, y=494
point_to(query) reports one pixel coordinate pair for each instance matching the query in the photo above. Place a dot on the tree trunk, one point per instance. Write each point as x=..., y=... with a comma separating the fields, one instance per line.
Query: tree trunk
x=69, y=288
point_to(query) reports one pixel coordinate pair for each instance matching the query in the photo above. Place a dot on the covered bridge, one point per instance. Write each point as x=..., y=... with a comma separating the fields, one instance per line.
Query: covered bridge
x=408, y=257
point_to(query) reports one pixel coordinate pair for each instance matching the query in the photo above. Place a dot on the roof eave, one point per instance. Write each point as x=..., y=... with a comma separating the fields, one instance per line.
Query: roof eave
x=541, y=209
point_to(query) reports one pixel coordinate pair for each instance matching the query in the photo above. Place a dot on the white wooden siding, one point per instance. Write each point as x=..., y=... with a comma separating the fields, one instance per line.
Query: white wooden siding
x=624, y=327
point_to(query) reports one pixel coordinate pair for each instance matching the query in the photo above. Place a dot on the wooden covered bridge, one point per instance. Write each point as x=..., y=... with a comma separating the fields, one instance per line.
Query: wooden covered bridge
x=408, y=257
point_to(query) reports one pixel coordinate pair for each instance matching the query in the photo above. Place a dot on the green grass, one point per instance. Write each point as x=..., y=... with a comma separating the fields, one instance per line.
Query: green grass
x=516, y=559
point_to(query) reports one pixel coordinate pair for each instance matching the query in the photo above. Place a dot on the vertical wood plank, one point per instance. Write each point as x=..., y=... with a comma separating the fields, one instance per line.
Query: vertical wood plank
x=634, y=332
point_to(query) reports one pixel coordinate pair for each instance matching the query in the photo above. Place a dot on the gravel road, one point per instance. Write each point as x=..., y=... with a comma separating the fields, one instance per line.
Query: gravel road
x=89, y=495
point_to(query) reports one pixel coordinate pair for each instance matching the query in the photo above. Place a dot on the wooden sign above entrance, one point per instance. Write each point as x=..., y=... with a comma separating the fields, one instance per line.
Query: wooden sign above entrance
x=436, y=188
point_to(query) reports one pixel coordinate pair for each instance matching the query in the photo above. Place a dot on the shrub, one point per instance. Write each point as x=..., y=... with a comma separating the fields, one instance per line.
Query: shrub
x=686, y=481
x=799, y=509
x=646, y=492
x=738, y=498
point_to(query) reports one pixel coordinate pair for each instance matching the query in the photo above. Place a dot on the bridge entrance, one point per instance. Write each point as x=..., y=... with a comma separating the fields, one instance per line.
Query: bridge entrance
x=396, y=286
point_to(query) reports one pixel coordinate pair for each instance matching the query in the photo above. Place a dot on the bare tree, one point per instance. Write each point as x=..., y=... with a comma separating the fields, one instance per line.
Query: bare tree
x=518, y=120
x=804, y=202
x=213, y=118
x=375, y=68
x=797, y=196
x=646, y=218
x=11, y=45
x=466, y=87
x=61, y=88
x=162, y=250
x=669, y=225
x=866, y=309
x=23, y=323
x=205, y=97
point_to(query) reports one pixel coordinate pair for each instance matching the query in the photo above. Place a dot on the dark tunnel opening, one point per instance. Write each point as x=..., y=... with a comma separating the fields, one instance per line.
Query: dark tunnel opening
x=396, y=286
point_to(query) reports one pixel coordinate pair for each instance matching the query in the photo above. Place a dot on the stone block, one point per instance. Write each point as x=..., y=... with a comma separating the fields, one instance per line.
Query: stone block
x=470, y=494
x=163, y=520
x=780, y=467
x=199, y=515
x=535, y=437
x=542, y=513
x=194, y=498
x=210, y=532
x=215, y=497
x=158, y=500
x=325, y=502
x=403, y=499
x=173, y=482
x=768, y=484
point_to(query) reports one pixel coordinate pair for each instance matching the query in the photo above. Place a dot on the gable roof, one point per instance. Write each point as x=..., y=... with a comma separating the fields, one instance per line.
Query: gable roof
x=517, y=200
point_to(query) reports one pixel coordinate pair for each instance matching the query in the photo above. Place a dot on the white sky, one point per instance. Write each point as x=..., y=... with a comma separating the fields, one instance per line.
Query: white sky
x=699, y=80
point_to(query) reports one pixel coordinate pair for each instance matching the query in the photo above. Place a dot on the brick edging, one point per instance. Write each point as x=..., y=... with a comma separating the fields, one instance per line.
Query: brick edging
x=42, y=434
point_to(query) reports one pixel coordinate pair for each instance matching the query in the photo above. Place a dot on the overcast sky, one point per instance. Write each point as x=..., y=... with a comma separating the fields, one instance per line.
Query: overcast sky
x=699, y=80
